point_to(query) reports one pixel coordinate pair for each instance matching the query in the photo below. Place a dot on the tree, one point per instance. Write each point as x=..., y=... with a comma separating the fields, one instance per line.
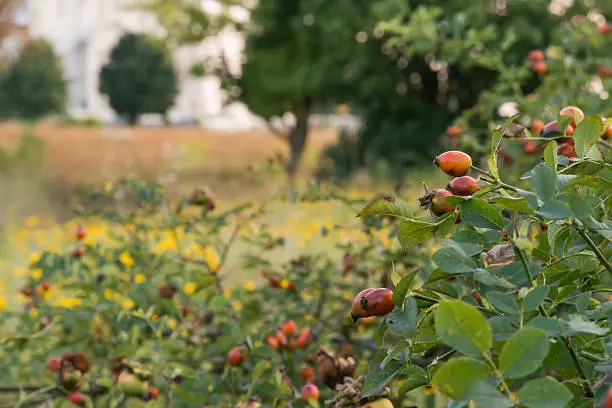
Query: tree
x=139, y=77
x=34, y=84
x=303, y=56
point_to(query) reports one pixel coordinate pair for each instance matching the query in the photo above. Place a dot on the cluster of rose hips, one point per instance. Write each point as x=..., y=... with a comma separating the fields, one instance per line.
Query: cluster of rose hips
x=31, y=293
x=132, y=382
x=538, y=62
x=286, y=337
x=79, y=250
x=551, y=129
x=71, y=368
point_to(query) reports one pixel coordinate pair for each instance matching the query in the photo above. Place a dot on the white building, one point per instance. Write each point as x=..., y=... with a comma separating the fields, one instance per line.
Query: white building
x=83, y=33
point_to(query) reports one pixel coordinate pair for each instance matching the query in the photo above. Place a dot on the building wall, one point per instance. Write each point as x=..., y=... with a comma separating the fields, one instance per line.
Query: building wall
x=84, y=31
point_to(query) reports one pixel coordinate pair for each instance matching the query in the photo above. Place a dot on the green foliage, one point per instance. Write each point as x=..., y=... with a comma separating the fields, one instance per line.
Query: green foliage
x=139, y=77
x=33, y=86
x=525, y=297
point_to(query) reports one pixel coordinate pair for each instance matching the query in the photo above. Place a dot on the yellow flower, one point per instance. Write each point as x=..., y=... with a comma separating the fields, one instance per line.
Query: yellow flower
x=237, y=305
x=249, y=285
x=285, y=284
x=172, y=324
x=109, y=294
x=126, y=259
x=307, y=295
x=140, y=278
x=32, y=221
x=37, y=273
x=189, y=288
x=210, y=388
x=34, y=312
x=2, y=303
x=227, y=293
x=68, y=302
x=35, y=257
x=127, y=304
x=211, y=259
x=167, y=244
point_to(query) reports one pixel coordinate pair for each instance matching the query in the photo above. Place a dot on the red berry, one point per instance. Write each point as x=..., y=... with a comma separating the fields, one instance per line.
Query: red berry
x=530, y=146
x=80, y=233
x=536, y=126
x=539, y=67
x=536, y=55
x=608, y=401
x=307, y=374
x=567, y=150
x=77, y=398
x=281, y=338
x=372, y=302
x=607, y=134
x=272, y=341
x=604, y=72
x=289, y=327
x=78, y=251
x=310, y=392
x=236, y=357
x=573, y=112
x=55, y=364
x=45, y=285
x=605, y=28
x=454, y=163
x=463, y=186
x=453, y=131
x=435, y=201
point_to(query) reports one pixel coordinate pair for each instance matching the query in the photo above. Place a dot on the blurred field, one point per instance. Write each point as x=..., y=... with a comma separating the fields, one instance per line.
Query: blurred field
x=92, y=156
x=180, y=159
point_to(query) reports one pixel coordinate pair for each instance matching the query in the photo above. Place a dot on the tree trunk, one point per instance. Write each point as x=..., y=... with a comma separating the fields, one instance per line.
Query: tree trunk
x=132, y=119
x=297, y=144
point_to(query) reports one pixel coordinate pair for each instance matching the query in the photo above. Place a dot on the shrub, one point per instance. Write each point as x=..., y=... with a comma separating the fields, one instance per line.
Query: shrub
x=34, y=85
x=139, y=77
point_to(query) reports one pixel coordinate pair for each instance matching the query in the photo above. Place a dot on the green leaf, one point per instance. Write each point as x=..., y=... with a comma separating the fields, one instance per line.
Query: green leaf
x=387, y=205
x=452, y=261
x=463, y=327
x=513, y=203
x=379, y=335
x=414, y=377
x=577, y=324
x=544, y=182
x=552, y=327
x=502, y=302
x=404, y=321
x=379, y=377
x=457, y=376
x=587, y=133
x=534, y=298
x=402, y=288
x=412, y=232
x=492, y=162
x=464, y=379
x=524, y=352
x=478, y=213
x=544, y=393
x=556, y=210
x=550, y=154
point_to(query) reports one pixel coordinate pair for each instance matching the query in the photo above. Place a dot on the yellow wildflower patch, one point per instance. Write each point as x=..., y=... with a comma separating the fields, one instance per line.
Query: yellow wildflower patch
x=189, y=288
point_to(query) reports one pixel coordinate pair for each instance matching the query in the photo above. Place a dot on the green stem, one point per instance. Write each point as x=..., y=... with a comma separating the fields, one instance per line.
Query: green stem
x=35, y=394
x=606, y=144
x=483, y=172
x=498, y=374
x=604, y=261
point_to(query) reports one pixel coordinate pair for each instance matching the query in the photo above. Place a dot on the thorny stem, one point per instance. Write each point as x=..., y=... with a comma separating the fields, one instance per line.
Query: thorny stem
x=604, y=261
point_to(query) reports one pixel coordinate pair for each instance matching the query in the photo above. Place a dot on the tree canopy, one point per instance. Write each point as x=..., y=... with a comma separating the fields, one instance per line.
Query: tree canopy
x=140, y=77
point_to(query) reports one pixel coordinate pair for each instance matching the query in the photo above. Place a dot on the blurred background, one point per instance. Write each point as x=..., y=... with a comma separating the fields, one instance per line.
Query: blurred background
x=252, y=97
